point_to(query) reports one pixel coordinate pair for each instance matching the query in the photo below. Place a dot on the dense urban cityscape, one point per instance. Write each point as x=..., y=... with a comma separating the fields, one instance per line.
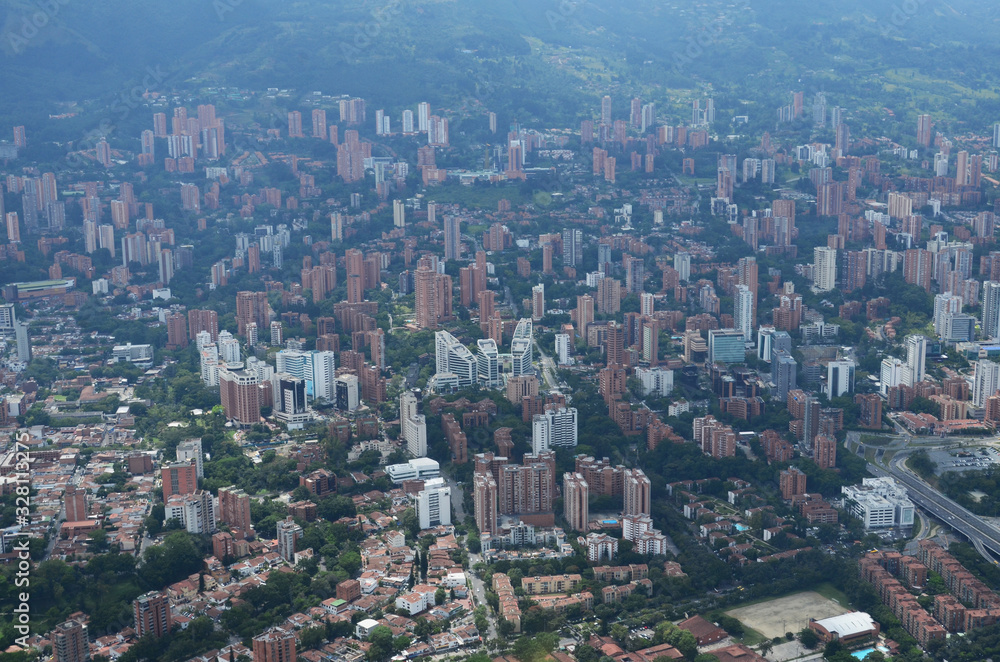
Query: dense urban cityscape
x=306, y=374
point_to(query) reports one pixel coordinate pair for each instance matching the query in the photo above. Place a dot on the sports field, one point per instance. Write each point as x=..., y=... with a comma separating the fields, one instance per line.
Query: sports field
x=773, y=618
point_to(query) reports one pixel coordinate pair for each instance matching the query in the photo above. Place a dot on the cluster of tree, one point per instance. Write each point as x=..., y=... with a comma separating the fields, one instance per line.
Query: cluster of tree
x=959, y=485
x=105, y=586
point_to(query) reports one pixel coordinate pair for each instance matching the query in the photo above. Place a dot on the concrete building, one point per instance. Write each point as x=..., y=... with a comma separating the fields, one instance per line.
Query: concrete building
x=879, y=503
x=576, y=494
x=555, y=428
x=434, y=504
x=413, y=426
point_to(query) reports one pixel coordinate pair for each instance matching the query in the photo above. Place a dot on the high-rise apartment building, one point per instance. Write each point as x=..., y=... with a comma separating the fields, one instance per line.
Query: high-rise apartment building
x=413, y=426
x=576, y=494
x=152, y=614
x=637, y=492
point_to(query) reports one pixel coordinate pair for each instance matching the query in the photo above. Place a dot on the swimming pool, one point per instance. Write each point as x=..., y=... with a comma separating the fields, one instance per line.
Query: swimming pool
x=860, y=655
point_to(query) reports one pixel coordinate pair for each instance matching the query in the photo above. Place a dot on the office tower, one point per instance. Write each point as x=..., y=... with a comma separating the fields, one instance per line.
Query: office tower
x=70, y=642
x=288, y=535
x=572, y=247
x=452, y=237
x=274, y=645
x=488, y=360
x=555, y=428
x=783, y=374
x=190, y=451
x=413, y=426
x=408, y=121
x=23, y=341
x=75, y=502
x=346, y=393
x=916, y=353
x=924, y=130
x=576, y=493
x=637, y=493
x=521, y=348
x=825, y=451
x=452, y=357
x=726, y=346
x=743, y=314
x=682, y=263
x=152, y=614
x=234, y=509
x=484, y=496
x=251, y=307
x=538, y=302
x=433, y=504
x=606, y=110
x=240, y=396
x=839, y=378
x=824, y=268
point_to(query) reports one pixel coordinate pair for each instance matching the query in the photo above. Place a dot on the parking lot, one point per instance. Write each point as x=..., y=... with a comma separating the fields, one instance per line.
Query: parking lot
x=965, y=459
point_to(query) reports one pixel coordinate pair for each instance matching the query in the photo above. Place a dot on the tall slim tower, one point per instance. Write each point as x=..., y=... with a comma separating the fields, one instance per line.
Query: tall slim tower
x=576, y=494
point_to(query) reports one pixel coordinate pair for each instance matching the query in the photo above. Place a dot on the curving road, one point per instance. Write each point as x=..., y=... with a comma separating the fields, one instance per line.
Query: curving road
x=985, y=537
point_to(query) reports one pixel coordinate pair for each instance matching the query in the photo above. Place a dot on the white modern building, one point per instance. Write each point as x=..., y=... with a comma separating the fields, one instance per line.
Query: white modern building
x=195, y=512
x=413, y=426
x=986, y=381
x=839, y=378
x=879, y=503
x=743, y=311
x=563, y=349
x=824, y=268
x=347, y=392
x=419, y=468
x=656, y=382
x=916, y=358
x=554, y=428
x=453, y=357
x=521, y=349
x=434, y=504
x=488, y=361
